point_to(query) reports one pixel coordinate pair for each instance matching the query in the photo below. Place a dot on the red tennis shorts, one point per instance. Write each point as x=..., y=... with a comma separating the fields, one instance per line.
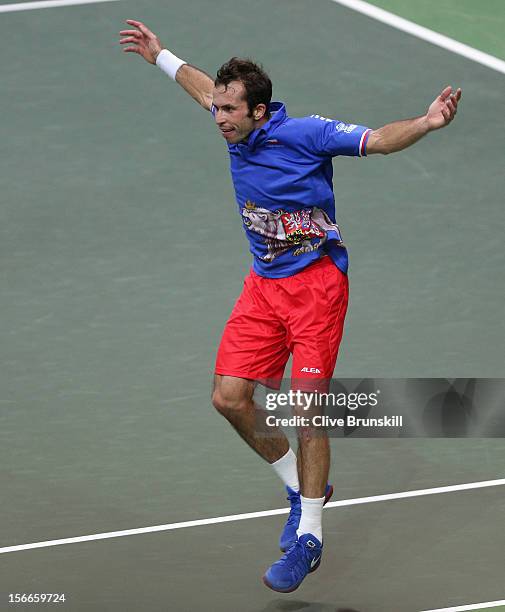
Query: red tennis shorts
x=301, y=314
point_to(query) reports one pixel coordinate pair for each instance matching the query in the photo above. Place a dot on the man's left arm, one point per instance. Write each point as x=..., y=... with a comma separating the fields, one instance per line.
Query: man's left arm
x=402, y=134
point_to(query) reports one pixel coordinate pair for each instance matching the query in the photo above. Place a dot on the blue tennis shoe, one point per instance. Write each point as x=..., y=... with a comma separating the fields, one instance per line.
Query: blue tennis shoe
x=288, y=535
x=304, y=557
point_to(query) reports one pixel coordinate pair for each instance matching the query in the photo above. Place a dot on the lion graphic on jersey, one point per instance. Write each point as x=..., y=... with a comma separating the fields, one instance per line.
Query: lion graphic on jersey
x=305, y=228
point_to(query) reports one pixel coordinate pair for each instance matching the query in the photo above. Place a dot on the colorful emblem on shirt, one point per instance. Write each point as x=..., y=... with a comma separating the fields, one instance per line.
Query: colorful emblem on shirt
x=306, y=229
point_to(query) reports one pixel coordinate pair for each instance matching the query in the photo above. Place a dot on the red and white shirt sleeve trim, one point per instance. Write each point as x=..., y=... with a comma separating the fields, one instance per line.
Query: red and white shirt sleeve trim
x=363, y=141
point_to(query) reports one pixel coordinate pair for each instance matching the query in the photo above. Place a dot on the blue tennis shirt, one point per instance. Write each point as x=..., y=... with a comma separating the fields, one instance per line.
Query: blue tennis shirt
x=283, y=185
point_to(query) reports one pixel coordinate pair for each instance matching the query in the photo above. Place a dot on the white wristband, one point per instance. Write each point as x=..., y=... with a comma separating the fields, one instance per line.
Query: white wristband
x=169, y=63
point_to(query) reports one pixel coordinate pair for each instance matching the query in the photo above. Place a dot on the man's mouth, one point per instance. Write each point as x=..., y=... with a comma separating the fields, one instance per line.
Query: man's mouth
x=227, y=131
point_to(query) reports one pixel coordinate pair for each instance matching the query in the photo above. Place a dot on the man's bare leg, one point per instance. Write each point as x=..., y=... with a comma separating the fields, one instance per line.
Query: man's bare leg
x=233, y=398
x=313, y=466
x=313, y=462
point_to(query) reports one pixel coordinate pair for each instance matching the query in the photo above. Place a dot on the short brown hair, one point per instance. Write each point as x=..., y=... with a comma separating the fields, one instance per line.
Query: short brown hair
x=256, y=81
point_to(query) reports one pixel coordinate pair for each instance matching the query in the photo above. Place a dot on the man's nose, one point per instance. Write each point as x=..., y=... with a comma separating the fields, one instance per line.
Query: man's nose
x=220, y=120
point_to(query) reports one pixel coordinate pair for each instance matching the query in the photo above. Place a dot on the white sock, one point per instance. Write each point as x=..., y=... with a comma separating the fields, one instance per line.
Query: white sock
x=285, y=468
x=312, y=517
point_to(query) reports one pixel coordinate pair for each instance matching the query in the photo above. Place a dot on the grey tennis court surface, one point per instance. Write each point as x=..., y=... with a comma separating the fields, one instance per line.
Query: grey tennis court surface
x=121, y=257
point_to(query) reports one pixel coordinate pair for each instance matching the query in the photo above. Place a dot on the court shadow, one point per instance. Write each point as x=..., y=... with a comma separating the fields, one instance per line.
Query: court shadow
x=281, y=605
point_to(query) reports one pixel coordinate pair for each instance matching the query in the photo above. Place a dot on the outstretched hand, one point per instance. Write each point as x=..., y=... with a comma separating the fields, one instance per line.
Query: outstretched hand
x=141, y=41
x=443, y=109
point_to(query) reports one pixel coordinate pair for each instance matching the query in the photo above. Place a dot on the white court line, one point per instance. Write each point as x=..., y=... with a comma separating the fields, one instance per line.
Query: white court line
x=251, y=515
x=479, y=606
x=29, y=6
x=424, y=33
x=417, y=493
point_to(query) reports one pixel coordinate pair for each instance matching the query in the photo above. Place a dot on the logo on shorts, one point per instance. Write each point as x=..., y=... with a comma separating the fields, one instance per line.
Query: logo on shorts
x=311, y=370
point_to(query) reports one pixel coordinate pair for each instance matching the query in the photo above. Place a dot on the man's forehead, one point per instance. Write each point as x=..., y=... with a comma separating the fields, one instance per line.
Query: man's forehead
x=234, y=92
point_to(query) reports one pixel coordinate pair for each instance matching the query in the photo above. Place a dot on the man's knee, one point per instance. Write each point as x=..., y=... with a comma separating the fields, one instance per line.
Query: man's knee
x=229, y=398
x=226, y=403
x=221, y=402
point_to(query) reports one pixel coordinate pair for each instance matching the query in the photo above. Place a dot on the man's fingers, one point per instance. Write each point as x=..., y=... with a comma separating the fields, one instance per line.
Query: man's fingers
x=132, y=50
x=130, y=39
x=130, y=33
x=446, y=92
x=450, y=105
x=145, y=30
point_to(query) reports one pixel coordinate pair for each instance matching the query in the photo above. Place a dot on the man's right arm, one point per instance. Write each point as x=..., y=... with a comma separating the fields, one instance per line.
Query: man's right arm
x=142, y=41
x=197, y=83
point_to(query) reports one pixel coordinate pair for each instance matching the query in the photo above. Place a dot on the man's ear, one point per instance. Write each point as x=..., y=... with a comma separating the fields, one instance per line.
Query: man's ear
x=259, y=111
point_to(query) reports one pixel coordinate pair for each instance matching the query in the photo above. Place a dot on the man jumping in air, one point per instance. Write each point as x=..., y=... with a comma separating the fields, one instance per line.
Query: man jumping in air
x=294, y=300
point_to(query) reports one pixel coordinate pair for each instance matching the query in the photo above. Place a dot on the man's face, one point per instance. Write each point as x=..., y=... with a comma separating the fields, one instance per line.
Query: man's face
x=232, y=112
